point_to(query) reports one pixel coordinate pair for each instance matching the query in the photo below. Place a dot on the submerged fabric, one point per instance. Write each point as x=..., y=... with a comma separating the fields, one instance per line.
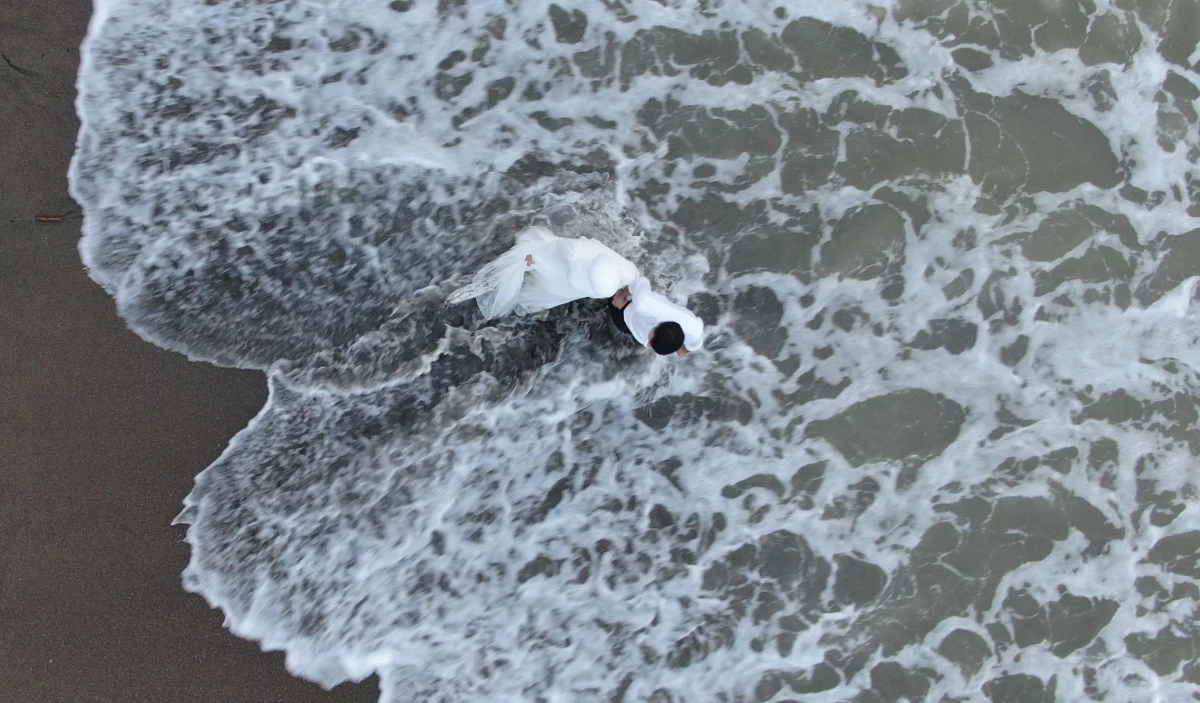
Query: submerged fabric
x=562, y=270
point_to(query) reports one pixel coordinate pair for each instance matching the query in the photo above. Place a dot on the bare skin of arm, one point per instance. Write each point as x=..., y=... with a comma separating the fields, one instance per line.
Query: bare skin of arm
x=621, y=297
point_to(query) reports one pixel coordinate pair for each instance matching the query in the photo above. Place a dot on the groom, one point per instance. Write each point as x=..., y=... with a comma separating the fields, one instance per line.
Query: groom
x=654, y=321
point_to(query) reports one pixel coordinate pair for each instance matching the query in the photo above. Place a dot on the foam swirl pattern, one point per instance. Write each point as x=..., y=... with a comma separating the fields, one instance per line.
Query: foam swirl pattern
x=941, y=445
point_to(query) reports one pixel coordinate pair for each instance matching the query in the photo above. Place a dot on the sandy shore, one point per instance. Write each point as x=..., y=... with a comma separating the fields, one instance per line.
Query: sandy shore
x=101, y=435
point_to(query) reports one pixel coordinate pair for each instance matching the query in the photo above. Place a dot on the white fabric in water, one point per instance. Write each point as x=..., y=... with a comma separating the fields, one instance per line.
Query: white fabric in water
x=563, y=270
x=647, y=310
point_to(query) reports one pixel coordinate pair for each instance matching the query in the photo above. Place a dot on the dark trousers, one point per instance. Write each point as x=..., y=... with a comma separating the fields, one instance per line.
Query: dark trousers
x=618, y=317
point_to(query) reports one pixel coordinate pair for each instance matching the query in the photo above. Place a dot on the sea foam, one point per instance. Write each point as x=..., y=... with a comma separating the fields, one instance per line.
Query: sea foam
x=940, y=444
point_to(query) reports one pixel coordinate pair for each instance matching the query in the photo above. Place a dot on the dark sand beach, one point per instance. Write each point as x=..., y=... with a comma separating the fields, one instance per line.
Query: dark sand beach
x=101, y=435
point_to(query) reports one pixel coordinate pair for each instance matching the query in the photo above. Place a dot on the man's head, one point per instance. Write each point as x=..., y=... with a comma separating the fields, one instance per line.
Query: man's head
x=666, y=338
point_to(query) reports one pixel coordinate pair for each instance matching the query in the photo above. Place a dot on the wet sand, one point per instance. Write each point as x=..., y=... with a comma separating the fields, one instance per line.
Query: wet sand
x=101, y=435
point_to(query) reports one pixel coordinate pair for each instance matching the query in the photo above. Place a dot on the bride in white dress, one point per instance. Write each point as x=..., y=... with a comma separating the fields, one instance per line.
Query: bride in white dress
x=543, y=271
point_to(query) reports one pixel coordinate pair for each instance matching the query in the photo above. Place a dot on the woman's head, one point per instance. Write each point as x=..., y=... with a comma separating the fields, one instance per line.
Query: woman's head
x=609, y=273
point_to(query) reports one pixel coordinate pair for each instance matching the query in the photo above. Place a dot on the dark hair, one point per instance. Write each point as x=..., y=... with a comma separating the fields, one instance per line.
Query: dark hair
x=667, y=338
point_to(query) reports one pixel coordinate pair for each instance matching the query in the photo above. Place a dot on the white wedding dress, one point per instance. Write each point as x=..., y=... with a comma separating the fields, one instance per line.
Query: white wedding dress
x=563, y=270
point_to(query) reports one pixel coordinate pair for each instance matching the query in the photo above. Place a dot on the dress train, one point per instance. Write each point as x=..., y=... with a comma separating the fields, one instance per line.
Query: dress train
x=563, y=270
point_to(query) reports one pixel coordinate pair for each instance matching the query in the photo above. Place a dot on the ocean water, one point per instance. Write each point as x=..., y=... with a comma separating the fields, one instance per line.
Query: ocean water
x=941, y=445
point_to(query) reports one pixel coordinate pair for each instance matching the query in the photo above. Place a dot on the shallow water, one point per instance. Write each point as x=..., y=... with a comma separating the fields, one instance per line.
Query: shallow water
x=940, y=446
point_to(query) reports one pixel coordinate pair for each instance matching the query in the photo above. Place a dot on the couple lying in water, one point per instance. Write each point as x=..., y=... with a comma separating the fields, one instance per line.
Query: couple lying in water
x=543, y=271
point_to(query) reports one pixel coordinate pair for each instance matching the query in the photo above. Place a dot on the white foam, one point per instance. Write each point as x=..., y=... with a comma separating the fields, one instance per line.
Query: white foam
x=495, y=541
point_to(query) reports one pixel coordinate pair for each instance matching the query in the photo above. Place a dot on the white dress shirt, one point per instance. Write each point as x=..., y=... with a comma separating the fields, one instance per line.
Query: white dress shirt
x=647, y=309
